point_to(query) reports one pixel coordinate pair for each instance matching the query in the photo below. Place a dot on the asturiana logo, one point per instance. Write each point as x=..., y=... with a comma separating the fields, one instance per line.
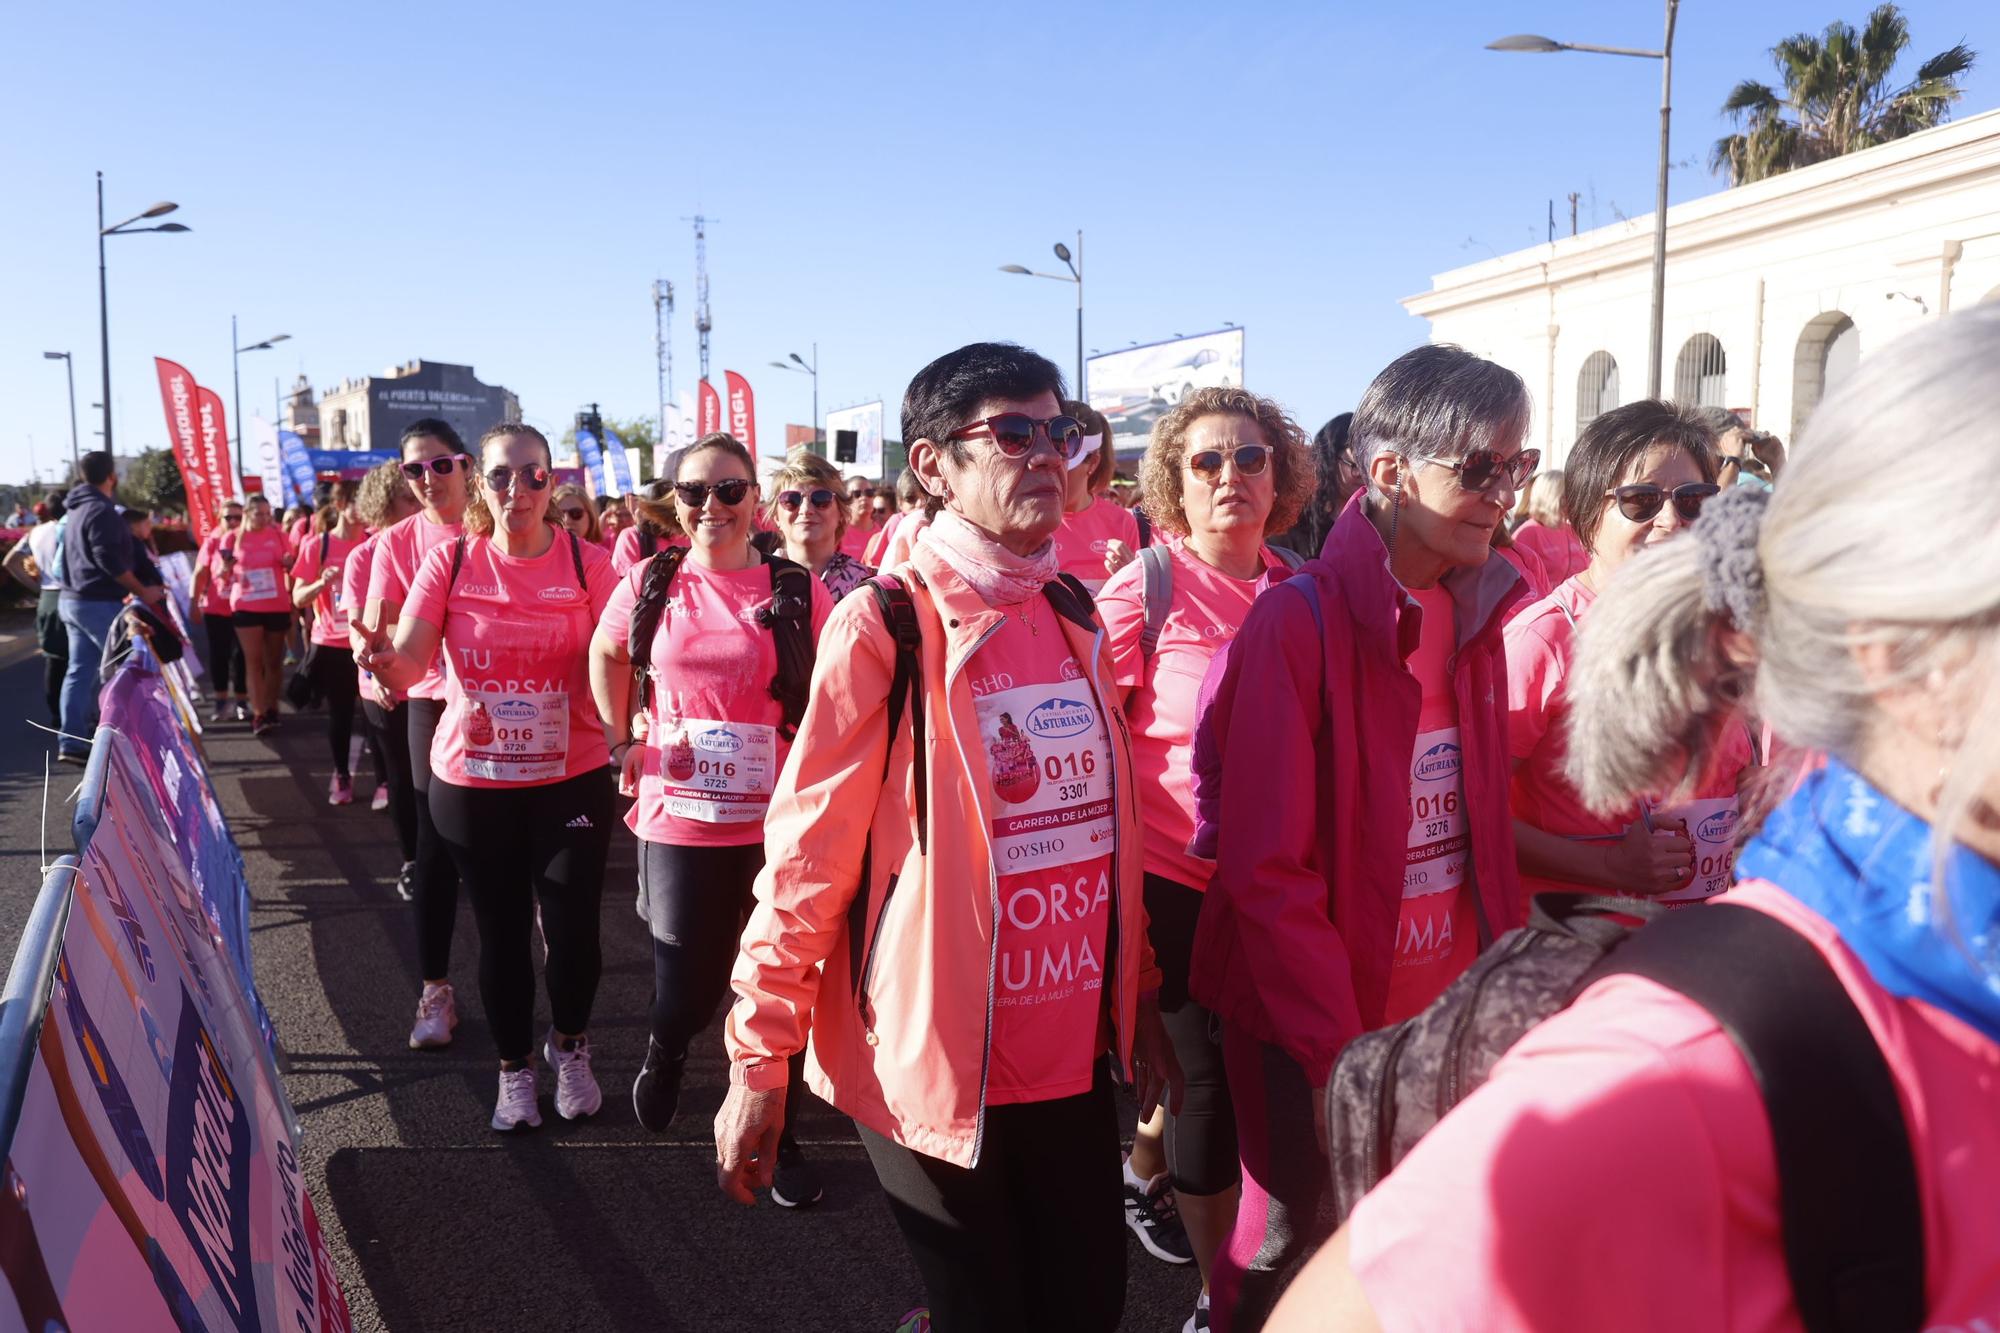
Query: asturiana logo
x=515, y=710
x=719, y=740
x=1718, y=827
x=1439, y=762
x=561, y=592
x=1060, y=717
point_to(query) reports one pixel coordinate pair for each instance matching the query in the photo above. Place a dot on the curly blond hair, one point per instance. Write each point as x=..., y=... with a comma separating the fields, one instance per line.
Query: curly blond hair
x=804, y=470
x=1161, y=475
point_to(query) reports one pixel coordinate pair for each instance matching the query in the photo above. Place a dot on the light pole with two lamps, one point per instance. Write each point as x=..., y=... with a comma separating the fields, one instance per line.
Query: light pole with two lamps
x=236, y=372
x=124, y=228
x=803, y=368
x=1075, y=265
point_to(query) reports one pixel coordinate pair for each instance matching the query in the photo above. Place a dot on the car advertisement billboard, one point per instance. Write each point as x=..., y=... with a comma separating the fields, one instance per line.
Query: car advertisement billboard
x=1135, y=387
x=854, y=439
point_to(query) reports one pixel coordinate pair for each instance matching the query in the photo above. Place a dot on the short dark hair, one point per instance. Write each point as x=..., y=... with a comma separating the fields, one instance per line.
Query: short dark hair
x=57, y=506
x=431, y=428
x=134, y=515
x=1612, y=442
x=97, y=467
x=943, y=393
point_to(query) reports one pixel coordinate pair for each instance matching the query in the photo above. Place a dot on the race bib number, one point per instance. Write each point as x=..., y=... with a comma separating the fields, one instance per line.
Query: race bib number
x=260, y=584
x=517, y=737
x=719, y=772
x=1438, y=844
x=1711, y=827
x=1051, y=769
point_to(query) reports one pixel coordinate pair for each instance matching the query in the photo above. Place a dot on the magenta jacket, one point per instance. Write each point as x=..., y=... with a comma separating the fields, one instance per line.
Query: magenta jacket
x=1312, y=805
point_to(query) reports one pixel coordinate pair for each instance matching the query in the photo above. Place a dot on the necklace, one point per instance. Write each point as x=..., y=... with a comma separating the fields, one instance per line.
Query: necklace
x=1026, y=617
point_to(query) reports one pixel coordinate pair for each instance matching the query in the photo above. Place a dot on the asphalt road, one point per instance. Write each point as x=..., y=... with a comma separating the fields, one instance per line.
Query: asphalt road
x=435, y=1222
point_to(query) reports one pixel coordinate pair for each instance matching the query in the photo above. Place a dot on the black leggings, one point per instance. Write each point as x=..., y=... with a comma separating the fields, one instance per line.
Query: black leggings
x=333, y=671
x=435, y=884
x=225, y=658
x=390, y=730
x=1201, y=1140
x=1032, y=1237
x=522, y=848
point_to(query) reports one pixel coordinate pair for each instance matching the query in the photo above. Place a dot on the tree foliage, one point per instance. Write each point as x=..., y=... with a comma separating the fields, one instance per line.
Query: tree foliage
x=154, y=482
x=639, y=434
x=1837, y=98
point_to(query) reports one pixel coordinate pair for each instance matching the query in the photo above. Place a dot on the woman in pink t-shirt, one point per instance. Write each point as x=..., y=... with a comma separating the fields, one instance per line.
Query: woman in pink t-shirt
x=613, y=517
x=653, y=529
x=715, y=735
x=1098, y=535
x=260, y=602
x=1618, y=1170
x=317, y=583
x=383, y=502
x=1542, y=529
x=805, y=510
x=1224, y=470
x=1638, y=476
x=572, y=507
x=521, y=790
x=209, y=598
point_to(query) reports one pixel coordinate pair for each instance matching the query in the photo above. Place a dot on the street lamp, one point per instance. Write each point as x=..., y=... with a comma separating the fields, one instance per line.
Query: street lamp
x=804, y=368
x=1075, y=275
x=1528, y=42
x=69, y=369
x=236, y=371
x=124, y=228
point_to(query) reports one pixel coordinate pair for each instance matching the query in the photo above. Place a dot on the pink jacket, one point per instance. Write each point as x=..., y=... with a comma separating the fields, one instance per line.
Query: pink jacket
x=894, y=977
x=1298, y=927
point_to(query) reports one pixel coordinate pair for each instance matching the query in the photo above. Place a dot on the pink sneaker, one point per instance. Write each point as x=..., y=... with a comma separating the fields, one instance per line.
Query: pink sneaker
x=380, y=801
x=340, y=790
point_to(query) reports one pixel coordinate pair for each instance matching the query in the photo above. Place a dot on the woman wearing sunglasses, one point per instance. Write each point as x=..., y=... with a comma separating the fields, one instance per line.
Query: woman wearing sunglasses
x=1098, y=535
x=521, y=791
x=572, y=507
x=1638, y=476
x=384, y=501
x=1345, y=897
x=317, y=584
x=436, y=471
x=260, y=604
x=954, y=902
x=209, y=596
x=805, y=509
x=715, y=735
x=1224, y=471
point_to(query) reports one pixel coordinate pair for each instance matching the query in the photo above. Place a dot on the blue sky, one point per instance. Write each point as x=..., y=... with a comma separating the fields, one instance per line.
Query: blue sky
x=500, y=184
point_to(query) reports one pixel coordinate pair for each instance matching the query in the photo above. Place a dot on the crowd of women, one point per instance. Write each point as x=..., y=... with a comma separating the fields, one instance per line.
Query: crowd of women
x=982, y=797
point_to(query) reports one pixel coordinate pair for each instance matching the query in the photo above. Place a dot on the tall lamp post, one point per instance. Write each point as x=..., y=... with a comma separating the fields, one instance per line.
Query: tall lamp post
x=69, y=369
x=1665, y=55
x=803, y=368
x=1074, y=263
x=236, y=372
x=124, y=228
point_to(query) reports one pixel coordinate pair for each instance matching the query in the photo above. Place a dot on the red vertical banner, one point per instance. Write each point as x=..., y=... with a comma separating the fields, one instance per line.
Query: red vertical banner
x=742, y=411
x=212, y=445
x=179, y=394
x=711, y=409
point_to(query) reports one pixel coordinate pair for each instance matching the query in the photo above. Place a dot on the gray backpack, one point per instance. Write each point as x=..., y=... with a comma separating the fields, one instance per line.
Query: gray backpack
x=1156, y=590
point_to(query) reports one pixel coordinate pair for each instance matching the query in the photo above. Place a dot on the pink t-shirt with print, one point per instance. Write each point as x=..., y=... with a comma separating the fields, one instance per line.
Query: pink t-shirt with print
x=518, y=709
x=715, y=747
x=354, y=575
x=1082, y=539
x=1053, y=833
x=214, y=597
x=1207, y=609
x=625, y=551
x=397, y=556
x=330, y=608
x=257, y=578
x=1616, y=1172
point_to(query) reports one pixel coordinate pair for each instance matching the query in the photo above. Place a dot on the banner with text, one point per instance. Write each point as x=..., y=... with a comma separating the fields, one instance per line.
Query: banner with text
x=624, y=472
x=742, y=411
x=298, y=464
x=711, y=410
x=179, y=395
x=263, y=448
x=593, y=460
x=212, y=426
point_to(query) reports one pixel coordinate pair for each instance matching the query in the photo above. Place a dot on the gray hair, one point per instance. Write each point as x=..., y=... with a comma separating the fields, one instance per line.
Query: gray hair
x=1437, y=402
x=1852, y=554
x=1720, y=420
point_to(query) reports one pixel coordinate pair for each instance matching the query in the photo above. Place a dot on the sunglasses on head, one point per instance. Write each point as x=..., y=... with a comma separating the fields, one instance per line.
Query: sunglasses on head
x=821, y=499
x=1643, y=502
x=694, y=494
x=1481, y=469
x=534, y=476
x=443, y=466
x=1250, y=460
x=1014, y=433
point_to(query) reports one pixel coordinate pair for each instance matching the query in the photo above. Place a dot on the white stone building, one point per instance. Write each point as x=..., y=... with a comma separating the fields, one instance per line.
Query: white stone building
x=1773, y=289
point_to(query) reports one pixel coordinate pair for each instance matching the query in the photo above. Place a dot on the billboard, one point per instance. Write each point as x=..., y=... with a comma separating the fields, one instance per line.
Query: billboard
x=1135, y=387
x=854, y=439
x=433, y=389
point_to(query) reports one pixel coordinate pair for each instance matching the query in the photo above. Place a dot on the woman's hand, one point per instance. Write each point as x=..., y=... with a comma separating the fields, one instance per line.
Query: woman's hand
x=1652, y=860
x=1117, y=555
x=631, y=767
x=746, y=1139
x=1155, y=1068
x=380, y=657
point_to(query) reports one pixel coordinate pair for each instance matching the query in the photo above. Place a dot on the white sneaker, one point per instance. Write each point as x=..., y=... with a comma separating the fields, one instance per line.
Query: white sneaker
x=577, y=1093
x=437, y=1015
x=1198, y=1321
x=517, y=1109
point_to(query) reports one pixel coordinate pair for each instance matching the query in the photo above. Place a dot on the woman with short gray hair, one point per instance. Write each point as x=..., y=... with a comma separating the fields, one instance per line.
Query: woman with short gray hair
x=1346, y=897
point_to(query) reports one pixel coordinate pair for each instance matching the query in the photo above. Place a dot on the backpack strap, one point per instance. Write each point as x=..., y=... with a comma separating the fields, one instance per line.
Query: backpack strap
x=457, y=561
x=1156, y=595
x=1851, y=1214
x=899, y=614
x=1292, y=559
x=789, y=618
x=647, y=608
x=325, y=540
x=1066, y=593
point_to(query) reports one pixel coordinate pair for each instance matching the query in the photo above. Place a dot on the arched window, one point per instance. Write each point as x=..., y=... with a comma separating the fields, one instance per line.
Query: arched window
x=1701, y=373
x=1829, y=347
x=1596, y=387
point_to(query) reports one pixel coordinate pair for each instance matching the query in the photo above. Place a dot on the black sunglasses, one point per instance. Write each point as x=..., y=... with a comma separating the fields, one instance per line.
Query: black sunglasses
x=1250, y=460
x=1481, y=468
x=1014, y=432
x=534, y=476
x=694, y=494
x=1643, y=502
x=443, y=466
x=232, y=518
x=574, y=514
x=821, y=499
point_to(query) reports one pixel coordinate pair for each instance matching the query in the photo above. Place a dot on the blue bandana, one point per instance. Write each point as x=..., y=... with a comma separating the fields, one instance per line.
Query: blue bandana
x=1864, y=863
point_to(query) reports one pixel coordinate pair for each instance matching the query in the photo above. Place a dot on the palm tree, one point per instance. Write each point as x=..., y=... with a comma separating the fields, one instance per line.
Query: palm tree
x=1837, y=94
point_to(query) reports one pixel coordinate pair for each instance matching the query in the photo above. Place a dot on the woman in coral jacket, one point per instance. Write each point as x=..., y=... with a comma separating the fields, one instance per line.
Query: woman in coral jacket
x=955, y=911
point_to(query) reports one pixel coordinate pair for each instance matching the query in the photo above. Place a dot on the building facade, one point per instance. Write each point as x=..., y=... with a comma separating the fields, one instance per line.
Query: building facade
x=1774, y=290
x=370, y=413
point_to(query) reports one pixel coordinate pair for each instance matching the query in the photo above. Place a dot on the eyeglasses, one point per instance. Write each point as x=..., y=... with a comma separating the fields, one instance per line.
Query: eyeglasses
x=1480, y=469
x=694, y=494
x=534, y=476
x=1250, y=460
x=861, y=493
x=821, y=499
x=1643, y=502
x=1014, y=433
x=576, y=515
x=443, y=466
x=232, y=518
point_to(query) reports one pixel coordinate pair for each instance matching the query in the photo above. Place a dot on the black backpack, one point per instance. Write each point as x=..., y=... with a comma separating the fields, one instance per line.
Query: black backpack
x=1850, y=1211
x=788, y=617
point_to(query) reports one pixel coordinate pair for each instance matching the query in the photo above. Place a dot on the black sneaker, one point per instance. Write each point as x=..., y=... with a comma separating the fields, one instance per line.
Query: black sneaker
x=1155, y=1219
x=795, y=1183
x=656, y=1093
x=406, y=880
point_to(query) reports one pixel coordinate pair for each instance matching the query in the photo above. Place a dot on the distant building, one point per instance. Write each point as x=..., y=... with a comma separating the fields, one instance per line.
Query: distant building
x=371, y=413
x=1774, y=289
x=301, y=414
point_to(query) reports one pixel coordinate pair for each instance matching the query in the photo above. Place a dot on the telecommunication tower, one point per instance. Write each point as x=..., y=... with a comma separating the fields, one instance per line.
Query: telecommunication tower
x=702, y=323
x=663, y=348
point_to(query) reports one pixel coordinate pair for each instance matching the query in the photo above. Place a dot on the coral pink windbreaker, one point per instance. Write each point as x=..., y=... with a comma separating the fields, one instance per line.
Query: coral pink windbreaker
x=894, y=976
x=1298, y=928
